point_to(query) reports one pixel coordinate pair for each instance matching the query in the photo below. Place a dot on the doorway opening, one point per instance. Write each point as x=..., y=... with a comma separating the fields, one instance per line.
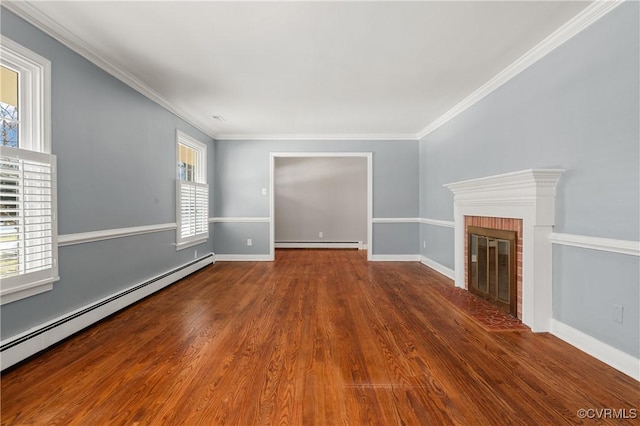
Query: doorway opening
x=321, y=199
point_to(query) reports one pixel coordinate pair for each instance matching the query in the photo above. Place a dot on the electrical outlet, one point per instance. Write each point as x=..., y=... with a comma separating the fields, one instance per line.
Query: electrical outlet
x=195, y=254
x=264, y=191
x=249, y=242
x=424, y=244
x=320, y=234
x=617, y=313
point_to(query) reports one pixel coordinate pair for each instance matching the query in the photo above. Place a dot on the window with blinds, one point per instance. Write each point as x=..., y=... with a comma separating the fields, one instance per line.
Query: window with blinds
x=194, y=211
x=28, y=231
x=192, y=191
x=28, y=228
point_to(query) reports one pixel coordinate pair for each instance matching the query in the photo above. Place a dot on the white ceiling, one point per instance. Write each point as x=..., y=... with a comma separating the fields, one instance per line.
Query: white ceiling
x=351, y=68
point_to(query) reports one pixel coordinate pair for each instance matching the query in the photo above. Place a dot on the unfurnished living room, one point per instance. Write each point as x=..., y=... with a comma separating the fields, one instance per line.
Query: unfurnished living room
x=320, y=212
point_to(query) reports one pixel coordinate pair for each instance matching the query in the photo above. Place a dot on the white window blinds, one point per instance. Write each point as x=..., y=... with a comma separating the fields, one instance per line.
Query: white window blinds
x=28, y=228
x=192, y=191
x=193, y=211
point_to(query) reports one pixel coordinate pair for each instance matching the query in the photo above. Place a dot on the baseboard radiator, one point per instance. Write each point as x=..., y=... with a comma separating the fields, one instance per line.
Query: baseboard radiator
x=321, y=244
x=24, y=345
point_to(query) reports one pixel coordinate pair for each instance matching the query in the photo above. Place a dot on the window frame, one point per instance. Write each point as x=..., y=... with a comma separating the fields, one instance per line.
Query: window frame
x=34, y=143
x=34, y=94
x=198, y=184
x=27, y=284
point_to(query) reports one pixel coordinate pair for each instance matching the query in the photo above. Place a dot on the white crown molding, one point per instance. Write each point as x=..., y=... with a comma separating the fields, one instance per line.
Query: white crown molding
x=588, y=16
x=318, y=137
x=233, y=219
x=108, y=234
x=611, y=245
x=35, y=17
x=437, y=222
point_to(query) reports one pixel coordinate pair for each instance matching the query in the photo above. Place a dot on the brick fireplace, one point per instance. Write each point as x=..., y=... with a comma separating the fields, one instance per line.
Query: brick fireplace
x=523, y=201
x=503, y=224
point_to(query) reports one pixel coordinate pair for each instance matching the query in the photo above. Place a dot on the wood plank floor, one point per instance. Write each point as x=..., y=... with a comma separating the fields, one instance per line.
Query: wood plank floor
x=316, y=337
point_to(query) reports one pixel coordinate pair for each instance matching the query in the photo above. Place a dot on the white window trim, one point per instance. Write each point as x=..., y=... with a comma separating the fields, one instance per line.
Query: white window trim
x=201, y=167
x=21, y=286
x=34, y=98
x=34, y=107
x=200, y=181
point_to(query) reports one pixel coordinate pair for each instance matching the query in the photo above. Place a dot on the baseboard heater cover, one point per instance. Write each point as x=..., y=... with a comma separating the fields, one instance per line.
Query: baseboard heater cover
x=24, y=345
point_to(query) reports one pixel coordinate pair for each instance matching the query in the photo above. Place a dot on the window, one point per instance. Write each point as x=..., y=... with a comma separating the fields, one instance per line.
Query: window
x=28, y=226
x=10, y=125
x=192, y=191
x=25, y=98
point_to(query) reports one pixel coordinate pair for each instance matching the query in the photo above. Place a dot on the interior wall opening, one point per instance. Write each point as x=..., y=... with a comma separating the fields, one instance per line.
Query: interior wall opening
x=321, y=200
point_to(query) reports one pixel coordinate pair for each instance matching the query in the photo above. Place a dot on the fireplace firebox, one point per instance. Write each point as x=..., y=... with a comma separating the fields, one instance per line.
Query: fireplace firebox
x=492, y=266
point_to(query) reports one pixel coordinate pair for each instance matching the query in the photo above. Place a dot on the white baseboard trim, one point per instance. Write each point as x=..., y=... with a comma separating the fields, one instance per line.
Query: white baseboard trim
x=327, y=245
x=447, y=272
x=395, y=258
x=20, y=347
x=243, y=258
x=617, y=359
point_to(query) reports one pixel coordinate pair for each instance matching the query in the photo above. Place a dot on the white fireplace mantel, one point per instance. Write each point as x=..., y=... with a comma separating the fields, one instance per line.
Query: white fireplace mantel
x=528, y=195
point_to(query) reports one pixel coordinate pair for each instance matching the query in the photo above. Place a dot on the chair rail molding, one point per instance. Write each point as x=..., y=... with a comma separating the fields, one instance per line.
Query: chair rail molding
x=396, y=220
x=631, y=248
x=108, y=234
x=438, y=222
x=236, y=219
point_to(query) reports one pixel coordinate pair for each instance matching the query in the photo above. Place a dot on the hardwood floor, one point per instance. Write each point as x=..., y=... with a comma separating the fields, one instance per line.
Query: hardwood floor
x=316, y=337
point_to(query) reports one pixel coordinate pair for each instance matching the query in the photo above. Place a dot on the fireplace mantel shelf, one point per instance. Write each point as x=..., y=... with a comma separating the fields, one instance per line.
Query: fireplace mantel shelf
x=526, y=182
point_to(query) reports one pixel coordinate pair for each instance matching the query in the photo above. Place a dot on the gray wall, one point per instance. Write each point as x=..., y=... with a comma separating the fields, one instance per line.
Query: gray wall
x=242, y=170
x=436, y=243
x=320, y=194
x=116, y=169
x=577, y=109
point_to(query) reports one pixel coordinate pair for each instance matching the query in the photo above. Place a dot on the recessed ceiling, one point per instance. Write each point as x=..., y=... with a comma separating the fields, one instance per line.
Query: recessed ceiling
x=311, y=68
